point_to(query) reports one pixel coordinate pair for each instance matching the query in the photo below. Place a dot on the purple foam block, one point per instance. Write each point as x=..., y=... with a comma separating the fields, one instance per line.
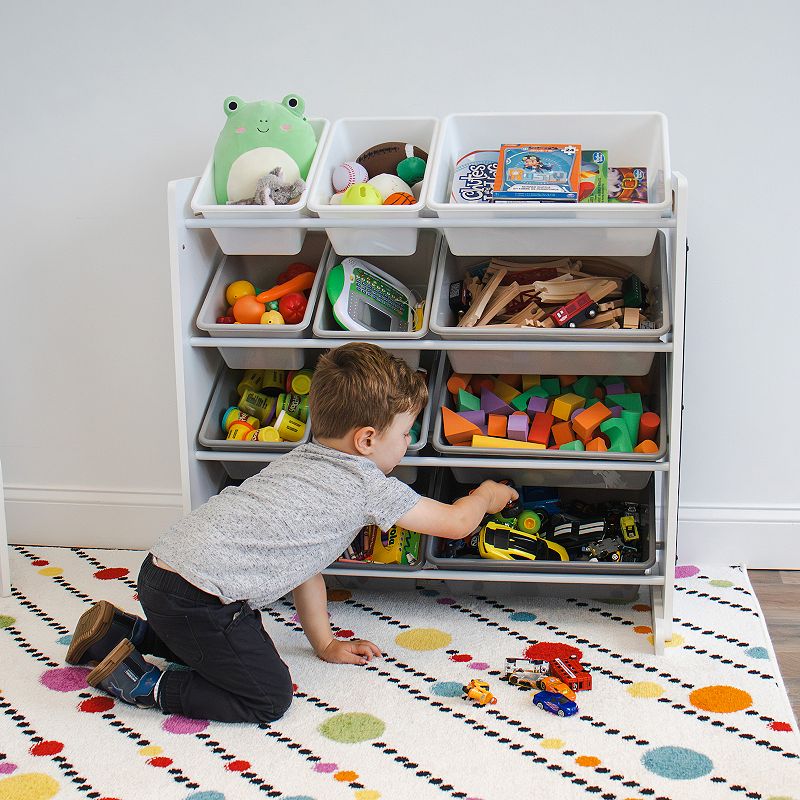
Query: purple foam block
x=615, y=411
x=517, y=427
x=484, y=429
x=575, y=413
x=475, y=417
x=615, y=388
x=492, y=404
x=537, y=405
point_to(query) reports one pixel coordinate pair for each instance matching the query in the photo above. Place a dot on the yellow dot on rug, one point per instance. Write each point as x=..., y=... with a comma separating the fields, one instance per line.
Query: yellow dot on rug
x=587, y=761
x=552, y=744
x=152, y=750
x=721, y=699
x=645, y=689
x=29, y=786
x=367, y=794
x=423, y=639
x=346, y=776
x=642, y=629
x=676, y=640
x=51, y=572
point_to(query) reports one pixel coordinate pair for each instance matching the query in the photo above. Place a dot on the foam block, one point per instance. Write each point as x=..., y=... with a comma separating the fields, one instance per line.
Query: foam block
x=492, y=404
x=456, y=382
x=551, y=386
x=504, y=391
x=586, y=423
x=597, y=445
x=562, y=433
x=631, y=419
x=615, y=388
x=529, y=381
x=574, y=445
x=540, y=428
x=632, y=401
x=617, y=432
x=457, y=430
x=567, y=380
x=517, y=427
x=537, y=404
x=647, y=446
x=520, y=402
x=496, y=424
x=612, y=379
x=467, y=401
x=511, y=444
x=565, y=404
x=512, y=380
x=648, y=426
x=475, y=417
x=585, y=386
x=481, y=382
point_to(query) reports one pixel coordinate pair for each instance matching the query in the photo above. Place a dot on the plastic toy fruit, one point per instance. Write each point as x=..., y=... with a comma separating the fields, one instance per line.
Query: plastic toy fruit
x=238, y=289
x=248, y=310
x=293, y=307
x=271, y=318
x=299, y=283
x=292, y=271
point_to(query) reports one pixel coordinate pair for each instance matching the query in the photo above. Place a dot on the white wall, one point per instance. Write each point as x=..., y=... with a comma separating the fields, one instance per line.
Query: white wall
x=105, y=103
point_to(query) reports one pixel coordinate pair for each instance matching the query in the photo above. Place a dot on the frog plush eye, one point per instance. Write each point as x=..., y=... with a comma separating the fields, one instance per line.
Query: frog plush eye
x=232, y=104
x=295, y=104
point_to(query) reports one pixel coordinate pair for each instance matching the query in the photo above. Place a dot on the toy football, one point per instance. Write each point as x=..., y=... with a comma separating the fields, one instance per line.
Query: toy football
x=385, y=157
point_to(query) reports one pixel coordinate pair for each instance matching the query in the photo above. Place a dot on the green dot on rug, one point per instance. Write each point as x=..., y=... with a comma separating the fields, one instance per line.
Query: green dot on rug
x=352, y=727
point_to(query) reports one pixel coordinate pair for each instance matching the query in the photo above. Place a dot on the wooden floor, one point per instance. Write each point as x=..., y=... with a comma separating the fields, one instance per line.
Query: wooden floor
x=779, y=596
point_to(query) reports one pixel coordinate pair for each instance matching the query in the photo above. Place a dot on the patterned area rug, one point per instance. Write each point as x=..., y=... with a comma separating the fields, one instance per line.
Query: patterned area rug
x=709, y=720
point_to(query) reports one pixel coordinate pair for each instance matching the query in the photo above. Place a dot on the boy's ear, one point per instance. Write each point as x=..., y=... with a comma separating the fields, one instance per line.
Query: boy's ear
x=364, y=440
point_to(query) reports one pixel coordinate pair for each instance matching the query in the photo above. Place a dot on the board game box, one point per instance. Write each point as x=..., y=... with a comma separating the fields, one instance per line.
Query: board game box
x=593, y=187
x=627, y=185
x=473, y=179
x=538, y=172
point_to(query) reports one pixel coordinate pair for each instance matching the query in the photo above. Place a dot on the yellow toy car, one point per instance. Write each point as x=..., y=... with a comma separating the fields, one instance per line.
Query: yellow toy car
x=478, y=692
x=502, y=542
x=550, y=684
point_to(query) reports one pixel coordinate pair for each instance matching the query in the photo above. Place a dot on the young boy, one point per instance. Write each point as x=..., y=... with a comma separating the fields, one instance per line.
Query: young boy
x=204, y=580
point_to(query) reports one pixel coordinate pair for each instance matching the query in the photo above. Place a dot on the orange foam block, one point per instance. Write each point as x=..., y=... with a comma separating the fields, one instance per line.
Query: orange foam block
x=648, y=425
x=647, y=446
x=456, y=382
x=597, y=444
x=562, y=433
x=480, y=382
x=457, y=430
x=586, y=423
x=510, y=444
x=497, y=425
x=540, y=428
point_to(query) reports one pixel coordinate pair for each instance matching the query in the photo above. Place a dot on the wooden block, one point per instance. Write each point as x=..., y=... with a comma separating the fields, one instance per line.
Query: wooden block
x=587, y=422
x=513, y=444
x=646, y=446
x=540, y=428
x=617, y=431
x=503, y=390
x=562, y=433
x=597, y=445
x=456, y=382
x=492, y=404
x=565, y=404
x=457, y=430
x=467, y=401
x=611, y=305
x=648, y=426
x=529, y=381
x=517, y=427
x=631, y=318
x=497, y=425
x=632, y=401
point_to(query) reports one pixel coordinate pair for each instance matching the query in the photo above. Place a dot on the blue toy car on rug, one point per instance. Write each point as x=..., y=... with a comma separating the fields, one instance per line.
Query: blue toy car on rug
x=555, y=703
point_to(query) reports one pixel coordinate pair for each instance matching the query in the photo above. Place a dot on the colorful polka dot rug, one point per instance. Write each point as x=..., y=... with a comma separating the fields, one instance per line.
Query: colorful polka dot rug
x=709, y=719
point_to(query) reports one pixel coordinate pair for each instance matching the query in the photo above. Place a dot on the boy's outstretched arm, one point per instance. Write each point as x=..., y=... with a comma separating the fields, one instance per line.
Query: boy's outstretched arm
x=459, y=519
x=311, y=602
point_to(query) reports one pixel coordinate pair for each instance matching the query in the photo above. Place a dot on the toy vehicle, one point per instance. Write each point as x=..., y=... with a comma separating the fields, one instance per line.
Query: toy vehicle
x=610, y=549
x=572, y=672
x=551, y=684
x=502, y=542
x=478, y=691
x=572, y=314
x=525, y=671
x=628, y=528
x=555, y=704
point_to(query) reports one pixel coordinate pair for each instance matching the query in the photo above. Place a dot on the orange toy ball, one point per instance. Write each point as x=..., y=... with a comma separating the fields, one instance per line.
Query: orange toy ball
x=400, y=199
x=248, y=310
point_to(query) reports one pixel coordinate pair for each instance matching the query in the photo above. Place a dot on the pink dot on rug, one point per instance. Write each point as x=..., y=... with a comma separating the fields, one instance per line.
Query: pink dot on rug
x=325, y=767
x=6, y=768
x=479, y=665
x=461, y=657
x=64, y=679
x=178, y=724
x=294, y=618
x=446, y=601
x=686, y=571
x=110, y=573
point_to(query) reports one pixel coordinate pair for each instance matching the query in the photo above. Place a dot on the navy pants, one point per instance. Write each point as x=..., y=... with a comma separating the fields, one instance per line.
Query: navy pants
x=234, y=671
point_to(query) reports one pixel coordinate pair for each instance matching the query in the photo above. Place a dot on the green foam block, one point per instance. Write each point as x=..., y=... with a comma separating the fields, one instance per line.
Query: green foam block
x=575, y=445
x=617, y=431
x=585, y=386
x=631, y=419
x=468, y=402
x=520, y=402
x=552, y=386
x=630, y=402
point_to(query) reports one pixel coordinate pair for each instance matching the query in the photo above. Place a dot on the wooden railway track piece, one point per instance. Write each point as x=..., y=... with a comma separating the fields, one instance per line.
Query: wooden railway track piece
x=481, y=300
x=502, y=297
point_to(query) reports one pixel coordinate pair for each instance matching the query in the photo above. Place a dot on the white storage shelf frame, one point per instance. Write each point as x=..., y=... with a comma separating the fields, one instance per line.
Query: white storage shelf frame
x=193, y=256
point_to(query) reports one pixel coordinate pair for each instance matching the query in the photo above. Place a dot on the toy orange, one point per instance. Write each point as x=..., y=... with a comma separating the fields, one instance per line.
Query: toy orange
x=248, y=310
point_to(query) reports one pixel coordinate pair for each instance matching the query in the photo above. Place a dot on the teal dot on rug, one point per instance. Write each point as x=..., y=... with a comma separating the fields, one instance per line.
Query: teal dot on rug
x=352, y=727
x=757, y=652
x=721, y=583
x=64, y=639
x=6, y=622
x=209, y=796
x=523, y=616
x=448, y=689
x=678, y=763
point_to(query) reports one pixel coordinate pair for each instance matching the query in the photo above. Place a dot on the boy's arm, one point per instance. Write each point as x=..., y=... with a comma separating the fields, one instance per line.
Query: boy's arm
x=311, y=602
x=459, y=519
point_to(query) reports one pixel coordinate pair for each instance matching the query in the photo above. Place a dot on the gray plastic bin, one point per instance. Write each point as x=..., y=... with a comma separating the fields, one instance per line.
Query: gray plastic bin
x=447, y=489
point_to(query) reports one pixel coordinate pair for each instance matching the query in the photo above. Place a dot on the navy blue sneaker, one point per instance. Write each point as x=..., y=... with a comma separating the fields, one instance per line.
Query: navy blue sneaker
x=100, y=630
x=124, y=674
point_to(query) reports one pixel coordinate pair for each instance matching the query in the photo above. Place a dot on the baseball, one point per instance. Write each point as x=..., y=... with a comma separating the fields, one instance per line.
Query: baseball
x=347, y=174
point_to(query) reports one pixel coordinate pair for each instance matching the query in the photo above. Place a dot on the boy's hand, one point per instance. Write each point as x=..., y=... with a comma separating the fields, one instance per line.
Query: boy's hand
x=499, y=494
x=355, y=651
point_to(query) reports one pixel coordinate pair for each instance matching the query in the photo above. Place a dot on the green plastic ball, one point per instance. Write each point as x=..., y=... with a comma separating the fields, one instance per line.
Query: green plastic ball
x=411, y=170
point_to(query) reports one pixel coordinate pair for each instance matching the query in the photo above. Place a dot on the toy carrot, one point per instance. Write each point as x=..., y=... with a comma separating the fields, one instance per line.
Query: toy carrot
x=296, y=284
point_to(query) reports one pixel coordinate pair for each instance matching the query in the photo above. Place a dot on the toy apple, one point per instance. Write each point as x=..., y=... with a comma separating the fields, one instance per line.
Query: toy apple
x=292, y=271
x=293, y=307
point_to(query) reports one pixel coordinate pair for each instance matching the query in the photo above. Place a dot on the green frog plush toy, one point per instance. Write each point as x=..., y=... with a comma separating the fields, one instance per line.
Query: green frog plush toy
x=257, y=138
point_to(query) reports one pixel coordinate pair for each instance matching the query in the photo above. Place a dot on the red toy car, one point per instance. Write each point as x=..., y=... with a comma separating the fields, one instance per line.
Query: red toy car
x=572, y=672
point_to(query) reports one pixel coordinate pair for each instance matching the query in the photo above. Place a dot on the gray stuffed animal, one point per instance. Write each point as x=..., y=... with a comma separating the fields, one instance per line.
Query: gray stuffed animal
x=272, y=191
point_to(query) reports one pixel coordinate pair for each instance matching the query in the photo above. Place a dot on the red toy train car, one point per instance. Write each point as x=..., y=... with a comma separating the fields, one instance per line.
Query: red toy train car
x=574, y=313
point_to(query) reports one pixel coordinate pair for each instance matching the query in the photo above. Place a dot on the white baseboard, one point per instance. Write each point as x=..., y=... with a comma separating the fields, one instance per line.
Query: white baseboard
x=89, y=517
x=762, y=538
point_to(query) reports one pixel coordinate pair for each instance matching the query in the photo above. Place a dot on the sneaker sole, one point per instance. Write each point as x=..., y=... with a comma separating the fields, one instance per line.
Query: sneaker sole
x=110, y=663
x=92, y=625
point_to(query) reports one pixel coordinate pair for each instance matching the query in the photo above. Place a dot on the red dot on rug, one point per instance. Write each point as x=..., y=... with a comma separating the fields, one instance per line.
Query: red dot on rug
x=40, y=562
x=344, y=634
x=780, y=726
x=109, y=573
x=547, y=651
x=159, y=761
x=49, y=748
x=238, y=766
x=294, y=687
x=461, y=657
x=95, y=704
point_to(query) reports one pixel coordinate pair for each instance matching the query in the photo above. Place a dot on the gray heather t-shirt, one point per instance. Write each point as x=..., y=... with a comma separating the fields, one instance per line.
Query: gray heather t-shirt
x=260, y=540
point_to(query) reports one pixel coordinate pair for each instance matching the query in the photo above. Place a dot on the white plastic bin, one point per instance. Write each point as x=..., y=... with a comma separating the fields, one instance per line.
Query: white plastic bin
x=347, y=140
x=255, y=241
x=632, y=140
x=417, y=272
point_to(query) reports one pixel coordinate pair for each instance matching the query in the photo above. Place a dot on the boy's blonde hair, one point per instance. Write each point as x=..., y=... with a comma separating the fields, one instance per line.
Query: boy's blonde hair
x=360, y=385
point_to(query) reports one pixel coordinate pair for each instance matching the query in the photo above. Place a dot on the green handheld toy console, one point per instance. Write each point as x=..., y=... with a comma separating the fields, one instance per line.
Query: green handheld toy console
x=365, y=298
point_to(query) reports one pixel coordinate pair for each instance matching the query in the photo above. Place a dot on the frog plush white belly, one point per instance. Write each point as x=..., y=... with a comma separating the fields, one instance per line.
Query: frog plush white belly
x=257, y=138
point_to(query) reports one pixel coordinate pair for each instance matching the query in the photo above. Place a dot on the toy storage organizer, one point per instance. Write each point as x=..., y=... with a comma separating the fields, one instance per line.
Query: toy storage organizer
x=649, y=240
